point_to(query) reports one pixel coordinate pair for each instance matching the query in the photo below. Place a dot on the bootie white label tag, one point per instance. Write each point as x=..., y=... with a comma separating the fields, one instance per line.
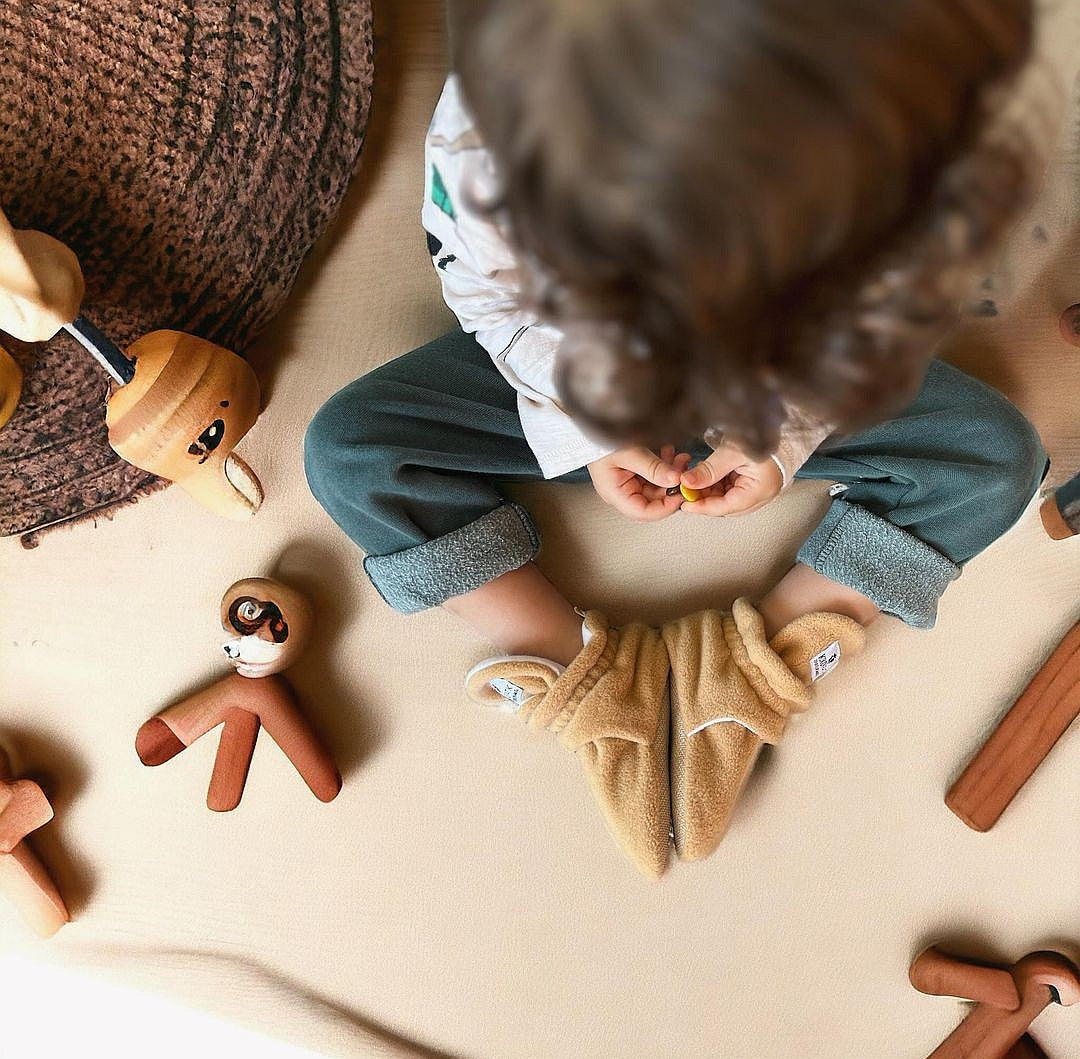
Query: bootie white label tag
x=825, y=661
x=509, y=690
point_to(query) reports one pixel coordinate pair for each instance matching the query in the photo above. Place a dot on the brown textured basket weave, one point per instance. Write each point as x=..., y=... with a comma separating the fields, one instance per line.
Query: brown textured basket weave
x=190, y=153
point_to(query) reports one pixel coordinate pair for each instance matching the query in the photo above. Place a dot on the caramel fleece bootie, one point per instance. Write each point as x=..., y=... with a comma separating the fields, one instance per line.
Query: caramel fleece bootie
x=611, y=707
x=732, y=691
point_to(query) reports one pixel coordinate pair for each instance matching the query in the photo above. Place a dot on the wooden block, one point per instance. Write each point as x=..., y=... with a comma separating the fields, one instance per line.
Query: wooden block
x=23, y=878
x=1023, y=738
x=23, y=808
x=25, y=882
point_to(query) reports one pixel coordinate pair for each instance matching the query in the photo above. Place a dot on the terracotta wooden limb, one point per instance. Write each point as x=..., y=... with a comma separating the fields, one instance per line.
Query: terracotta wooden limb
x=1022, y=739
x=233, y=759
x=270, y=702
x=191, y=717
x=281, y=717
x=939, y=974
x=993, y=1032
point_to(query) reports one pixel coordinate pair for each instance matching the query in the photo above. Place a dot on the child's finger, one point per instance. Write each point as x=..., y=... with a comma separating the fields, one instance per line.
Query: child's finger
x=642, y=509
x=714, y=469
x=649, y=466
x=740, y=499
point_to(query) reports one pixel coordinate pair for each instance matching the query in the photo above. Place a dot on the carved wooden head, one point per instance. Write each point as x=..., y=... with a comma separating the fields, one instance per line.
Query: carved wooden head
x=182, y=415
x=270, y=624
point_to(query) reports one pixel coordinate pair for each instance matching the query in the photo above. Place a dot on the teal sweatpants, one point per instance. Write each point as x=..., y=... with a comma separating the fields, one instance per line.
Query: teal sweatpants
x=409, y=461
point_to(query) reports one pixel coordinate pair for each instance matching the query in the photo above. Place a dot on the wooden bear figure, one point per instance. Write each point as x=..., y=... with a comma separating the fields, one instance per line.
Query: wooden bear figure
x=270, y=624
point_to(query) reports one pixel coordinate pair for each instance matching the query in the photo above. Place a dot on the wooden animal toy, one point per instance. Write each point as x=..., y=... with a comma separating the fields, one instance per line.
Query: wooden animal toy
x=180, y=417
x=270, y=625
x=1022, y=739
x=1006, y=1000
x=182, y=403
x=23, y=878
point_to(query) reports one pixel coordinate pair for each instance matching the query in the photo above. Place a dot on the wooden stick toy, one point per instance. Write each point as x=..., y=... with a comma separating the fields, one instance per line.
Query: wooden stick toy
x=1006, y=1000
x=182, y=403
x=1022, y=739
x=270, y=624
x=23, y=878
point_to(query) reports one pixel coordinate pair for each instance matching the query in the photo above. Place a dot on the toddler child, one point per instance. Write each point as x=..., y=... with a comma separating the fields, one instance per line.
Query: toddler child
x=745, y=222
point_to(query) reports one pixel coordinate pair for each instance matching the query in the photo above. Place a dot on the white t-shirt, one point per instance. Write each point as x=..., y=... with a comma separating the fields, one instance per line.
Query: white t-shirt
x=481, y=279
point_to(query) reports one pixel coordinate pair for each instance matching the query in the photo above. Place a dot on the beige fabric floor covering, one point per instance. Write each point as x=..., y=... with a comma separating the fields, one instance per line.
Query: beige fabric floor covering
x=461, y=892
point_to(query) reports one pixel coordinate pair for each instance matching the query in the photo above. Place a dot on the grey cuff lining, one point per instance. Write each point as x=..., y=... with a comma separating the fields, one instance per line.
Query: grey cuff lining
x=899, y=573
x=428, y=574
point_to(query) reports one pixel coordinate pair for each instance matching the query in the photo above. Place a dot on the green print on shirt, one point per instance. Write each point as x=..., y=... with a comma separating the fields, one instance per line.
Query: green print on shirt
x=439, y=195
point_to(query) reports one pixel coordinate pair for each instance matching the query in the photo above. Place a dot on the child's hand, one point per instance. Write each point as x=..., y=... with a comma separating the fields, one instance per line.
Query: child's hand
x=635, y=481
x=731, y=484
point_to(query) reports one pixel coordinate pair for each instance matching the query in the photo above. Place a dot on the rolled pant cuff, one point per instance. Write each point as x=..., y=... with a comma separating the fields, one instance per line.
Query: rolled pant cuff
x=428, y=574
x=899, y=573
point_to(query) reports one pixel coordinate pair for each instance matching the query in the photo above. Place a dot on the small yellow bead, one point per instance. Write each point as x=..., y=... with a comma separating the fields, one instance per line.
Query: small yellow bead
x=689, y=494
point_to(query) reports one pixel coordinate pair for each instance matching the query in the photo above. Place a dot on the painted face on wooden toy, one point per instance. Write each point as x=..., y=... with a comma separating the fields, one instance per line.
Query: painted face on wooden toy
x=182, y=415
x=270, y=624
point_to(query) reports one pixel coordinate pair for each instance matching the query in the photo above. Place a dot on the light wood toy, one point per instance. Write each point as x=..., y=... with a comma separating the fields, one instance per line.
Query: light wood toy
x=23, y=878
x=1060, y=512
x=270, y=624
x=1006, y=1000
x=10, y=385
x=182, y=403
x=1022, y=739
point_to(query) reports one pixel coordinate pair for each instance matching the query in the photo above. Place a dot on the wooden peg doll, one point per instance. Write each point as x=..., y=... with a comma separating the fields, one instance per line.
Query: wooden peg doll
x=23, y=878
x=269, y=624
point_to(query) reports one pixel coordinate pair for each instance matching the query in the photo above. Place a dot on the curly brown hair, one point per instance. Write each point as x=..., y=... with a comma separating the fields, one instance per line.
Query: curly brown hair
x=737, y=205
